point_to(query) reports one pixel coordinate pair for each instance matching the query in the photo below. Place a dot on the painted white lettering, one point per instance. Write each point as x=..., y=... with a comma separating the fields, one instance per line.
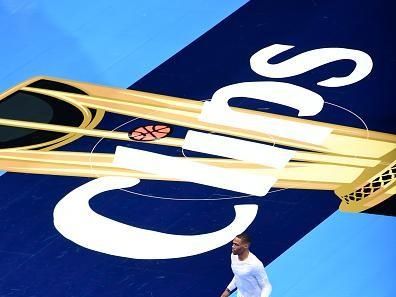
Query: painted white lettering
x=238, y=149
x=309, y=60
x=186, y=170
x=308, y=103
x=75, y=220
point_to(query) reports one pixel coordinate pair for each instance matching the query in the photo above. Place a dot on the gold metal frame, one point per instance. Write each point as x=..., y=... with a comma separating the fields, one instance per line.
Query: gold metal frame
x=88, y=122
x=358, y=165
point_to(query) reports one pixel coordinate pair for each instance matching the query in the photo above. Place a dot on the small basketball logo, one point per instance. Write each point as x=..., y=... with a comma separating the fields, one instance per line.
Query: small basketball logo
x=149, y=133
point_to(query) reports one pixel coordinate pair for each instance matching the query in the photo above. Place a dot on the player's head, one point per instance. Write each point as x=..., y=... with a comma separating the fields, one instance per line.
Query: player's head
x=240, y=244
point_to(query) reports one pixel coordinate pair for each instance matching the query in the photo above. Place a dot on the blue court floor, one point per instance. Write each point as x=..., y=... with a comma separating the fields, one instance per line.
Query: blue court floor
x=190, y=49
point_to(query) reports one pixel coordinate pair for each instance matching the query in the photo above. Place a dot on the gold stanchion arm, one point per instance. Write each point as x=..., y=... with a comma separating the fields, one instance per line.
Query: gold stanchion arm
x=296, y=174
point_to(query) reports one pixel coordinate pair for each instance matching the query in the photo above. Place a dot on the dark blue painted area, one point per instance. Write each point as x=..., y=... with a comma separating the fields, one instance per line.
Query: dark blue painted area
x=38, y=261
x=221, y=57
x=42, y=262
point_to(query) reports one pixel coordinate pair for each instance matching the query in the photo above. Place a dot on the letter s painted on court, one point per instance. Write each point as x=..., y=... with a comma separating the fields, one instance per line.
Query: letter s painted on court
x=309, y=60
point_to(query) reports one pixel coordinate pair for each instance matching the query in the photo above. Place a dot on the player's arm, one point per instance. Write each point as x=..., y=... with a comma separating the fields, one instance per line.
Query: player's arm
x=230, y=288
x=263, y=281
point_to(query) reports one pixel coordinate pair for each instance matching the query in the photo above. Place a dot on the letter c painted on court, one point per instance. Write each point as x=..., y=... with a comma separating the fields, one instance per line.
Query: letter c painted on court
x=75, y=220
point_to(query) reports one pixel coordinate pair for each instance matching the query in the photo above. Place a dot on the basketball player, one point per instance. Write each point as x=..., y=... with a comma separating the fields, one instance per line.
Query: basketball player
x=250, y=278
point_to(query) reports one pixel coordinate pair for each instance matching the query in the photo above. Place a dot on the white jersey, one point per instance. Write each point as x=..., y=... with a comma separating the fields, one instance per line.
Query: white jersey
x=250, y=277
